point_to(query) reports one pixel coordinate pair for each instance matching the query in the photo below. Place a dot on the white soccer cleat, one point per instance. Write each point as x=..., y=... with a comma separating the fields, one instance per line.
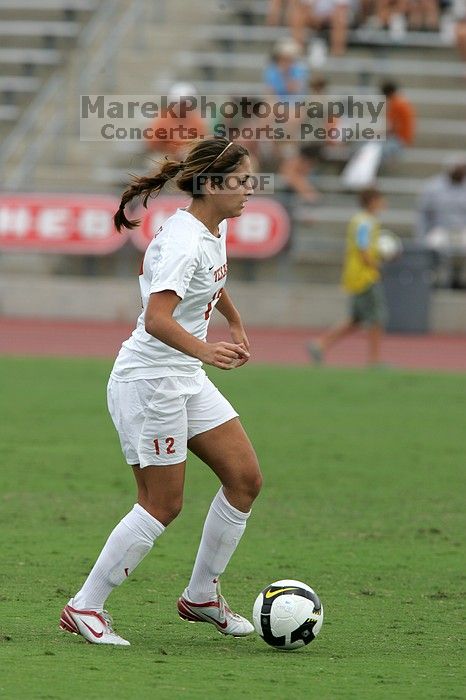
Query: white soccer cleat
x=217, y=613
x=95, y=627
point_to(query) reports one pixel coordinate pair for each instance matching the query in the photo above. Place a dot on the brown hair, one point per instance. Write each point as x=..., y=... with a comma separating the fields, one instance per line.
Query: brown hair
x=368, y=195
x=211, y=155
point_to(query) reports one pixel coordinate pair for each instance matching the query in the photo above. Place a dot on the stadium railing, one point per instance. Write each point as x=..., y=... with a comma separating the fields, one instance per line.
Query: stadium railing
x=19, y=161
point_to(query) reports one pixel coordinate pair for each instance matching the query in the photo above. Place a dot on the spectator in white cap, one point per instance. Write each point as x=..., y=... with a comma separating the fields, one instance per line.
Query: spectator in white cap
x=286, y=74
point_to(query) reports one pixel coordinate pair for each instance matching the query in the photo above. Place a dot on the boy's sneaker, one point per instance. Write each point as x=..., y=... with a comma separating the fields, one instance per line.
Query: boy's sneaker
x=217, y=613
x=95, y=627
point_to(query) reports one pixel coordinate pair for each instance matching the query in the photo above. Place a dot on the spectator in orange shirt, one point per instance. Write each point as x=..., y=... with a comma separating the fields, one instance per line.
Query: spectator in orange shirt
x=401, y=121
x=173, y=132
x=363, y=166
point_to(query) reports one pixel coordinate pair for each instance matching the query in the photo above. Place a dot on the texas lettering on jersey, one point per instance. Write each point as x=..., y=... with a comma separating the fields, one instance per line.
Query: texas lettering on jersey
x=221, y=272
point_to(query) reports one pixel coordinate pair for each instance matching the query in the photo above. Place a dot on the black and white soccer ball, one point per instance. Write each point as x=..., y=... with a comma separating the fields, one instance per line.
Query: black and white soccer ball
x=288, y=614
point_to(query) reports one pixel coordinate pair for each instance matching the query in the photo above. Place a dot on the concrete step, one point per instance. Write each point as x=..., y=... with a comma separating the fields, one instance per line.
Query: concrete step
x=355, y=61
x=237, y=34
x=439, y=138
x=333, y=216
x=414, y=162
x=41, y=15
x=359, y=69
x=406, y=168
x=394, y=200
x=446, y=103
x=48, y=57
x=36, y=70
x=36, y=41
x=47, y=5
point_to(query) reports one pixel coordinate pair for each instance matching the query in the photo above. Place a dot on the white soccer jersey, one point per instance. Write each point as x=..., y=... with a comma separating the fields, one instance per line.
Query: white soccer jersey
x=186, y=258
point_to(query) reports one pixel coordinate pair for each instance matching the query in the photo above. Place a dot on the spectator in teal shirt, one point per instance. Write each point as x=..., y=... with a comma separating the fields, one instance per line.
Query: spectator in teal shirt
x=286, y=74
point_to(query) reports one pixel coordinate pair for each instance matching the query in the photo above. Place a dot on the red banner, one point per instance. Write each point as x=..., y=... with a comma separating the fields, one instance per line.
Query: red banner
x=76, y=224
x=260, y=232
x=83, y=224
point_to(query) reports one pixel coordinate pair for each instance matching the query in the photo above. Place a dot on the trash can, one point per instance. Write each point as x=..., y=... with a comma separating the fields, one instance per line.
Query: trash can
x=407, y=284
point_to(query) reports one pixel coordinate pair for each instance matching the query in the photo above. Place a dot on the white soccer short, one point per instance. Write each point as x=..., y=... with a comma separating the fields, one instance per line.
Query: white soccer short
x=155, y=418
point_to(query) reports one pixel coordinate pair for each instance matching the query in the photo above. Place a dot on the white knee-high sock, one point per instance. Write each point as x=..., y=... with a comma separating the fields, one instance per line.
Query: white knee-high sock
x=127, y=545
x=223, y=529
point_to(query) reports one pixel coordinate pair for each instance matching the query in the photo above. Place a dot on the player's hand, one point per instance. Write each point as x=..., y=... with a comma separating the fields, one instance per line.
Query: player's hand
x=224, y=355
x=239, y=337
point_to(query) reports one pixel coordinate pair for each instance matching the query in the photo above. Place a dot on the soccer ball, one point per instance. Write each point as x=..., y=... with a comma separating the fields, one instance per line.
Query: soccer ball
x=389, y=246
x=288, y=614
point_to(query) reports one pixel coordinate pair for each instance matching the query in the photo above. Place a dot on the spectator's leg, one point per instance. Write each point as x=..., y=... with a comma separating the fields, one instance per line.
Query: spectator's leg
x=461, y=38
x=384, y=11
x=274, y=13
x=296, y=172
x=326, y=341
x=366, y=10
x=339, y=30
x=414, y=15
x=430, y=9
x=301, y=19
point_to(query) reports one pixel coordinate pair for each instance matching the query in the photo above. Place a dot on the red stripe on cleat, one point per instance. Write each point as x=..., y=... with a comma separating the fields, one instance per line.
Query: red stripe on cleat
x=67, y=622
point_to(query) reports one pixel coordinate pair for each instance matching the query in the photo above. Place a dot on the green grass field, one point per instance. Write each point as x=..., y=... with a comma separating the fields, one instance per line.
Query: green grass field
x=363, y=499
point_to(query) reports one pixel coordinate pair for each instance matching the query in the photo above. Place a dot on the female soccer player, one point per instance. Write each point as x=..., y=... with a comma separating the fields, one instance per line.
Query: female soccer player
x=162, y=402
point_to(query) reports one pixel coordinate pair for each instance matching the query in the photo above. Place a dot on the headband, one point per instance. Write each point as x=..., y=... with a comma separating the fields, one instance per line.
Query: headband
x=216, y=159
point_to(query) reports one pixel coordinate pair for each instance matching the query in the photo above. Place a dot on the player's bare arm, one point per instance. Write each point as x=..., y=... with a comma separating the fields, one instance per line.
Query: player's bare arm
x=159, y=322
x=226, y=307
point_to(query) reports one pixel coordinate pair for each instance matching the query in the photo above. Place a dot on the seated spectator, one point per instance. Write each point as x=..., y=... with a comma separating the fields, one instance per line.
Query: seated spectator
x=286, y=74
x=363, y=166
x=398, y=16
x=302, y=15
x=423, y=15
x=390, y=14
x=264, y=151
x=442, y=218
x=297, y=170
x=277, y=13
x=172, y=134
x=319, y=91
x=401, y=121
x=366, y=14
x=250, y=130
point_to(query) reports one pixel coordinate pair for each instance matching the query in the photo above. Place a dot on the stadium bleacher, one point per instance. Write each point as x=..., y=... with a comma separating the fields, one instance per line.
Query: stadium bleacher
x=224, y=53
x=34, y=38
x=425, y=65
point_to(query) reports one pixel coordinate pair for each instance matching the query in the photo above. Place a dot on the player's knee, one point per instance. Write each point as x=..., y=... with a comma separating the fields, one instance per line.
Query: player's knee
x=251, y=482
x=256, y=484
x=166, y=512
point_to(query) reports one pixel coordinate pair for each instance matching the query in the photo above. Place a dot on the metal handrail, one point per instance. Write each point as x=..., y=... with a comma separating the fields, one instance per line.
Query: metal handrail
x=107, y=50
x=19, y=136
x=23, y=170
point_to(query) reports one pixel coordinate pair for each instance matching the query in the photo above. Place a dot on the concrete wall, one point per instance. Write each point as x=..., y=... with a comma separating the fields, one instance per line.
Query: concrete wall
x=262, y=304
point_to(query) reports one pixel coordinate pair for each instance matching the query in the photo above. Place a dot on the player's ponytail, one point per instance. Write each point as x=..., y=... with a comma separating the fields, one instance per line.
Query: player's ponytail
x=208, y=157
x=144, y=187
